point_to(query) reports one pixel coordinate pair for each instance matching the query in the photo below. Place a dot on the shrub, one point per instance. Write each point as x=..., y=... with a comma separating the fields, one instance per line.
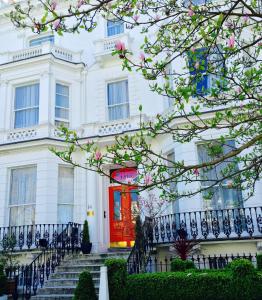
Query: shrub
x=259, y=262
x=192, y=286
x=85, y=288
x=3, y=281
x=241, y=268
x=117, y=276
x=86, y=237
x=178, y=264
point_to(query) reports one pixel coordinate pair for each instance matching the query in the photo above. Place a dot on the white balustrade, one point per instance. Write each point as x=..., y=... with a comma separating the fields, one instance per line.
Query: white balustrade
x=46, y=48
x=21, y=135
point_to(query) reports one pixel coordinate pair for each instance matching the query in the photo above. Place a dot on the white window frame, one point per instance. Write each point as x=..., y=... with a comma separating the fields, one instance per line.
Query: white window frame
x=32, y=39
x=62, y=120
x=10, y=189
x=207, y=186
x=115, y=105
x=114, y=35
x=72, y=205
x=31, y=107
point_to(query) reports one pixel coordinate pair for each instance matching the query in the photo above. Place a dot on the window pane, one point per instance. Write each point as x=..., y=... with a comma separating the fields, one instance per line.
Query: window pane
x=65, y=214
x=41, y=40
x=26, y=106
x=117, y=206
x=62, y=113
x=66, y=185
x=117, y=93
x=134, y=203
x=62, y=102
x=26, y=118
x=23, y=186
x=114, y=27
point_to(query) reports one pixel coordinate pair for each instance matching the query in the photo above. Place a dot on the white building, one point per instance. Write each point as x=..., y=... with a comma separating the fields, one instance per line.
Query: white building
x=46, y=80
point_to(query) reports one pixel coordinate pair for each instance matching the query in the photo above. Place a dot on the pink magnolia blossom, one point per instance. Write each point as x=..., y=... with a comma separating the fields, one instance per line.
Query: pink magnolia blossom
x=148, y=179
x=238, y=90
x=120, y=46
x=157, y=18
x=245, y=18
x=136, y=17
x=196, y=172
x=80, y=3
x=142, y=56
x=190, y=12
x=231, y=41
x=241, y=105
x=98, y=155
x=193, y=49
x=230, y=184
x=53, y=5
x=197, y=65
x=57, y=24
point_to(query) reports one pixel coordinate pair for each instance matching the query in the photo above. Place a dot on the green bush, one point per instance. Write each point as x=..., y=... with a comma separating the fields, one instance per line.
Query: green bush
x=192, y=286
x=259, y=262
x=241, y=268
x=85, y=288
x=117, y=276
x=178, y=264
x=3, y=281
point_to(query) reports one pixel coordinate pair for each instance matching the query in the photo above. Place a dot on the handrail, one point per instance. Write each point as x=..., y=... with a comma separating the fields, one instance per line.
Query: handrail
x=34, y=275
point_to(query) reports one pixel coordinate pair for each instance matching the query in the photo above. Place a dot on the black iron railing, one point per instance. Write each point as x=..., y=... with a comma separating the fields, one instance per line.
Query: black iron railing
x=142, y=250
x=29, y=236
x=201, y=262
x=237, y=223
x=32, y=276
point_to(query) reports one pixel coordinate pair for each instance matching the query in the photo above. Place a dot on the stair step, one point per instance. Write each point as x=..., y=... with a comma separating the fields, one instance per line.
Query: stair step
x=67, y=282
x=58, y=290
x=65, y=275
x=54, y=297
x=79, y=268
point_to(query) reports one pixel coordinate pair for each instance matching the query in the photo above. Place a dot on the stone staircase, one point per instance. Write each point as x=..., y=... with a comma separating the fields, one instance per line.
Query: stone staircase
x=62, y=283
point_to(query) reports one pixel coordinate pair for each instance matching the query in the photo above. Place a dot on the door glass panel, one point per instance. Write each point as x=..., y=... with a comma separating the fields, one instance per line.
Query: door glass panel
x=117, y=205
x=134, y=203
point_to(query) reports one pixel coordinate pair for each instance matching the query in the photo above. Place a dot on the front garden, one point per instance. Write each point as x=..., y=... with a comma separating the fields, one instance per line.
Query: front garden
x=240, y=280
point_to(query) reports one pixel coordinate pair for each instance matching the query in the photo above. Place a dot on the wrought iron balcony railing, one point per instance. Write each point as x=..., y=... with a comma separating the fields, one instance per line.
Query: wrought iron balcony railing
x=236, y=223
x=18, y=238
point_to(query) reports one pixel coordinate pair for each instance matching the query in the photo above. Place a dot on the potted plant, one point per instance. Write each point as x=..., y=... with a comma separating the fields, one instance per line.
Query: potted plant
x=3, y=284
x=9, y=263
x=86, y=246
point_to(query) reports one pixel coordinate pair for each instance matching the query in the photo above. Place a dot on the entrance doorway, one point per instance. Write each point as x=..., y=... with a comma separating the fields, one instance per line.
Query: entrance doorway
x=123, y=208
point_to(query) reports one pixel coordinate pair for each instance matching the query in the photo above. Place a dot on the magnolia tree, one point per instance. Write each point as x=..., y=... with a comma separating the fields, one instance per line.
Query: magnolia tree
x=205, y=56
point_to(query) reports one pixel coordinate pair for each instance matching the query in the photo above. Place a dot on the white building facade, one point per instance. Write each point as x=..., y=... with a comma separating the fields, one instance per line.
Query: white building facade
x=46, y=80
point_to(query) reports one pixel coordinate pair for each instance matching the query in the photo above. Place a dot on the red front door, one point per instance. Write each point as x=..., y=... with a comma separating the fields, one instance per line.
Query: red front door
x=123, y=208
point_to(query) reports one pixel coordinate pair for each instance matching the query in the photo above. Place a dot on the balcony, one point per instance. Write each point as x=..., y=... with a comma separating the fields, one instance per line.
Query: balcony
x=209, y=225
x=105, y=46
x=31, y=134
x=44, y=49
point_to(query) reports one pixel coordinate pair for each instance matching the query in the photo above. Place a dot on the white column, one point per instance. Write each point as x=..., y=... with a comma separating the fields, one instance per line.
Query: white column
x=103, y=286
x=44, y=99
x=4, y=187
x=3, y=99
x=92, y=210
